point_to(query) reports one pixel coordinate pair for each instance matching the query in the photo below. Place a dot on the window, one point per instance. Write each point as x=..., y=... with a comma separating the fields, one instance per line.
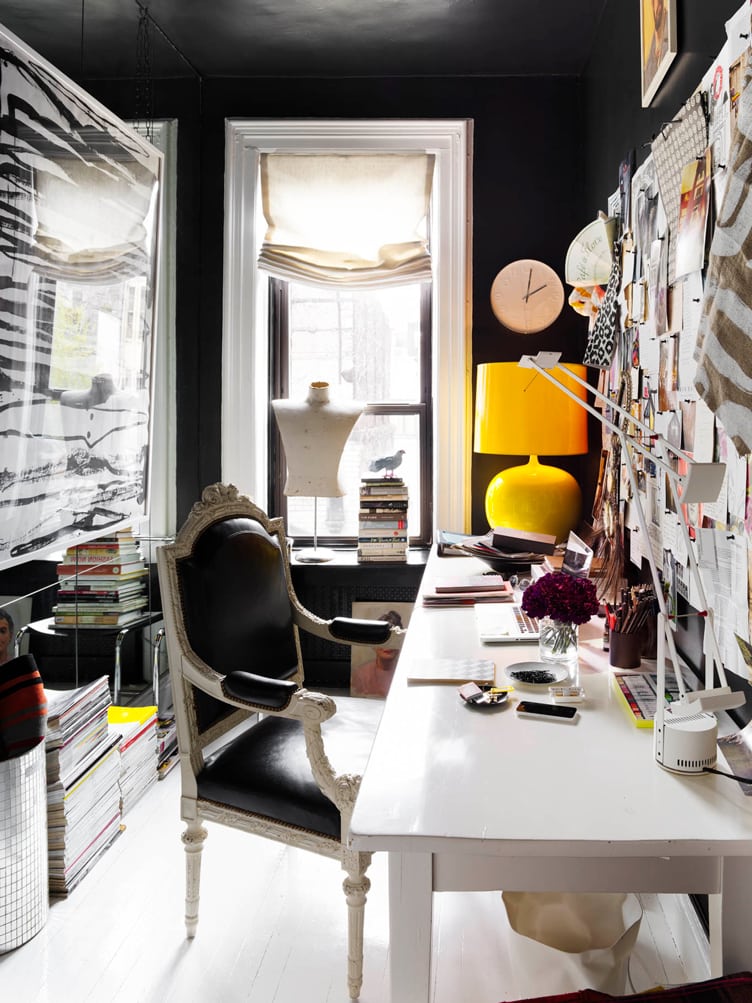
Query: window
x=247, y=389
x=96, y=328
x=371, y=345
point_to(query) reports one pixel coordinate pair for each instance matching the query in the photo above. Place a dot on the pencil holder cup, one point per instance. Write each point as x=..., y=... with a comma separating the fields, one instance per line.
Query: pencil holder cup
x=625, y=650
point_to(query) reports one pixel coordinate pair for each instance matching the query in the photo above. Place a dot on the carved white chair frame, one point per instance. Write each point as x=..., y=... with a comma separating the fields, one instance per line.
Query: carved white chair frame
x=218, y=502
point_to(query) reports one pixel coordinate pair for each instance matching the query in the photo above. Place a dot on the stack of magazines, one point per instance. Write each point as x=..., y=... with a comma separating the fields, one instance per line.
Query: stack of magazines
x=505, y=561
x=136, y=731
x=83, y=769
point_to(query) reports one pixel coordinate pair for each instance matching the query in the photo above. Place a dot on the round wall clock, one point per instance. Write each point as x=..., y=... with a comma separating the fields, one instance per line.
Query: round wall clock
x=527, y=296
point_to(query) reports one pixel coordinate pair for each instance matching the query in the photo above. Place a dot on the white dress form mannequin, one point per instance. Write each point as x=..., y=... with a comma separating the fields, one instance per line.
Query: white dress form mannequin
x=314, y=433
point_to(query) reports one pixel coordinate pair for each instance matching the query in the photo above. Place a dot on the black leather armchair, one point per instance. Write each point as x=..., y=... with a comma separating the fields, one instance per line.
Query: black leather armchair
x=292, y=772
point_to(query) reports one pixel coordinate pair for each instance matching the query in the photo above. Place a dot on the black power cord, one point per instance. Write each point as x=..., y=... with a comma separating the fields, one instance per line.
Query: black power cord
x=731, y=776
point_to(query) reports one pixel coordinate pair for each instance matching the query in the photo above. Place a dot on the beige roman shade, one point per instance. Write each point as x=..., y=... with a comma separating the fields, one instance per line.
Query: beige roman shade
x=354, y=219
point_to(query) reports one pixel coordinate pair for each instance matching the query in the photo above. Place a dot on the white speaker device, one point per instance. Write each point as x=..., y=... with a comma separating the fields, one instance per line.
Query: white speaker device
x=685, y=734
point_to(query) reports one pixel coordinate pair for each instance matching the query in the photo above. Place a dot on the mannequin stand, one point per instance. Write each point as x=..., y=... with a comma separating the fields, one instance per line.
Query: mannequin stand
x=315, y=554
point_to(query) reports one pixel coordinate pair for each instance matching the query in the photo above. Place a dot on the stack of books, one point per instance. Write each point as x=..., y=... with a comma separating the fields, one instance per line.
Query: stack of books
x=101, y=583
x=135, y=729
x=83, y=795
x=382, y=520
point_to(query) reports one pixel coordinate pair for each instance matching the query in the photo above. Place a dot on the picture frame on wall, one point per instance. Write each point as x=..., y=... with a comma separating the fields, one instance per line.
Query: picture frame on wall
x=658, y=45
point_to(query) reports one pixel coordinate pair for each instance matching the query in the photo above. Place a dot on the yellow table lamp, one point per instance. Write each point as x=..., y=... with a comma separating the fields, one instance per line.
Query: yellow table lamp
x=519, y=413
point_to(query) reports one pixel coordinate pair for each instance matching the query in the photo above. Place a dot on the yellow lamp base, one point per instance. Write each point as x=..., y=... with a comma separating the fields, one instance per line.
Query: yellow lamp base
x=536, y=498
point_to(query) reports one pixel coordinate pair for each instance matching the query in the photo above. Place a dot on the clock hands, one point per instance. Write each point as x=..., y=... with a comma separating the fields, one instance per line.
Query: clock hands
x=532, y=292
x=529, y=280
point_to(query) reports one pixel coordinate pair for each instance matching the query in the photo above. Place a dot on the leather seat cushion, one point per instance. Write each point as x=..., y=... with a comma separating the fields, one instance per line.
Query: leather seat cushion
x=265, y=770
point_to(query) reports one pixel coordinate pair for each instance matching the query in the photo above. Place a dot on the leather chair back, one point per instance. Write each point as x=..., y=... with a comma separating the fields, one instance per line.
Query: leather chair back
x=236, y=606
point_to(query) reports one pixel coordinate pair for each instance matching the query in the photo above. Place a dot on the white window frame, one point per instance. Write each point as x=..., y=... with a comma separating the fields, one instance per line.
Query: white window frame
x=245, y=340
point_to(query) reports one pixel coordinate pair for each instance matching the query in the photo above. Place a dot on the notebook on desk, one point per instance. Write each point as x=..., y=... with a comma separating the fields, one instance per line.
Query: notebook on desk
x=505, y=623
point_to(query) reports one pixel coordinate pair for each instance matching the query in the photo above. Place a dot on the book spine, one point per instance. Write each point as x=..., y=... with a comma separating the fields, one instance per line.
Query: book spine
x=101, y=550
x=385, y=493
x=92, y=620
x=383, y=507
x=379, y=522
x=113, y=606
x=114, y=570
x=94, y=598
x=397, y=537
x=377, y=549
x=381, y=558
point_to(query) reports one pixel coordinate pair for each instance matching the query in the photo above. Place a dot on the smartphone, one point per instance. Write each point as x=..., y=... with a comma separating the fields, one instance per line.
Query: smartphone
x=548, y=711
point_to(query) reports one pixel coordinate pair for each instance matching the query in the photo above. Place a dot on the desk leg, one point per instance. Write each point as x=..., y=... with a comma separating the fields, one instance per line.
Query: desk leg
x=410, y=913
x=730, y=943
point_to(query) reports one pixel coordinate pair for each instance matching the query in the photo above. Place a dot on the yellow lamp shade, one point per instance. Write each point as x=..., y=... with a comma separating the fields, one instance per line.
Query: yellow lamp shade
x=519, y=412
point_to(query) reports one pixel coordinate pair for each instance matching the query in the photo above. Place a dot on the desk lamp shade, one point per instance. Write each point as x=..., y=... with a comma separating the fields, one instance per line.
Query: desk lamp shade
x=520, y=413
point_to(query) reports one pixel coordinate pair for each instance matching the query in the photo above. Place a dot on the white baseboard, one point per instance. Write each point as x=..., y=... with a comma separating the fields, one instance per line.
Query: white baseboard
x=691, y=941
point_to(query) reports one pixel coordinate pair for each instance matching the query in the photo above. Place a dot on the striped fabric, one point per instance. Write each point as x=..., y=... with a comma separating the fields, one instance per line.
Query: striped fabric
x=23, y=707
x=724, y=344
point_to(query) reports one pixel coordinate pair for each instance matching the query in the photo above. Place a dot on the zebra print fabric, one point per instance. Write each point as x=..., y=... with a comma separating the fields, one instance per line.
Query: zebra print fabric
x=724, y=345
x=78, y=242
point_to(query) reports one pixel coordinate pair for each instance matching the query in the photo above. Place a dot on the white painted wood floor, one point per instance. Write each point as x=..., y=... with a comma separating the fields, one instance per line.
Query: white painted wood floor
x=271, y=929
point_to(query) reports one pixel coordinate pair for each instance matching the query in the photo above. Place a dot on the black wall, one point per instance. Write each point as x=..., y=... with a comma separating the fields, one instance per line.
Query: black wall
x=614, y=121
x=546, y=158
x=528, y=198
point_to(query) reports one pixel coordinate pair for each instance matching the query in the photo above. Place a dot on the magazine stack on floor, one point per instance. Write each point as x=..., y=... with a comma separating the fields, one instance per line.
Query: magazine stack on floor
x=167, y=746
x=382, y=527
x=136, y=731
x=83, y=793
x=102, y=583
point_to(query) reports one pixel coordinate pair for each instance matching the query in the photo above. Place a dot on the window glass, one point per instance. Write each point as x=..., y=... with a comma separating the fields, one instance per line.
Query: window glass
x=369, y=346
x=367, y=339
x=374, y=437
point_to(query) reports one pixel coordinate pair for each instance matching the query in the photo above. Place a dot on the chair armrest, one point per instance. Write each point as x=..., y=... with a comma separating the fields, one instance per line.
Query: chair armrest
x=273, y=694
x=360, y=631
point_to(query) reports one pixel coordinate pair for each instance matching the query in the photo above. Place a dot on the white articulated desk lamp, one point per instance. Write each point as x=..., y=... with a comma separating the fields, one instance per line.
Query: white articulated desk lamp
x=685, y=735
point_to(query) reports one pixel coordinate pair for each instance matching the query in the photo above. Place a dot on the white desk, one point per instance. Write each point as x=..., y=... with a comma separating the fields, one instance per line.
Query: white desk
x=465, y=799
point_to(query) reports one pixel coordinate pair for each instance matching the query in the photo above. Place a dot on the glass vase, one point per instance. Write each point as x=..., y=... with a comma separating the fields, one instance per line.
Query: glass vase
x=558, y=640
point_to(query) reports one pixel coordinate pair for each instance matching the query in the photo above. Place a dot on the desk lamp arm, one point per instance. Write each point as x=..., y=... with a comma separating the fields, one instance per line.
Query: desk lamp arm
x=702, y=483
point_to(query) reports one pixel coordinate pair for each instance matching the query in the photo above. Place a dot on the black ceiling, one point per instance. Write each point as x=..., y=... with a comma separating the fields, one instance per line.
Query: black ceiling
x=211, y=38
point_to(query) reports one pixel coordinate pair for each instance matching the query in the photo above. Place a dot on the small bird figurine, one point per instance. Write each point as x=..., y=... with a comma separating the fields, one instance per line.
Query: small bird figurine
x=387, y=463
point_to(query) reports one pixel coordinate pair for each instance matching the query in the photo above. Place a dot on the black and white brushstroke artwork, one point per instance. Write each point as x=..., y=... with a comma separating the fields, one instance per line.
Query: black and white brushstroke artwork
x=79, y=199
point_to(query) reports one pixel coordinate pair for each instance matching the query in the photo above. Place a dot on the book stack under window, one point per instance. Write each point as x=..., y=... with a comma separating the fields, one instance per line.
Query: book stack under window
x=382, y=520
x=102, y=583
x=83, y=793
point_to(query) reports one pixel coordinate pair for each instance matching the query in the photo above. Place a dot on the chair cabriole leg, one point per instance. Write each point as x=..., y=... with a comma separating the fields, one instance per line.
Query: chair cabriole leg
x=193, y=840
x=356, y=886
